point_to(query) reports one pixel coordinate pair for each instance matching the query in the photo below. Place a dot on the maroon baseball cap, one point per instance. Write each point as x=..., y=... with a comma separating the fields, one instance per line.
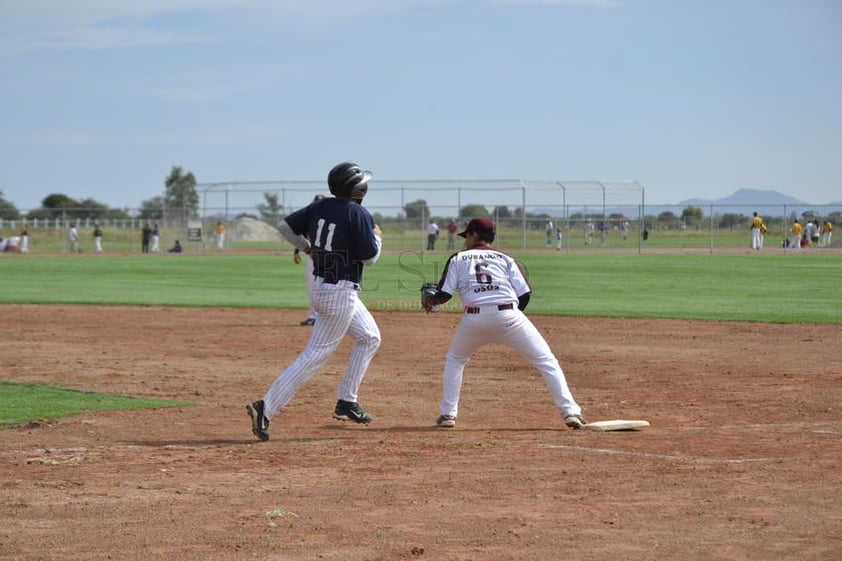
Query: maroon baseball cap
x=482, y=226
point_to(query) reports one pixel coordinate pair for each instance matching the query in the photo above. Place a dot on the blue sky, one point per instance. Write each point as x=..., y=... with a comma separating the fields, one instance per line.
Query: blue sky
x=691, y=98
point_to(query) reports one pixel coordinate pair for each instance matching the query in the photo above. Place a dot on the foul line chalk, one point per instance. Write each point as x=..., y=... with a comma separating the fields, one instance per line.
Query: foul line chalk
x=659, y=456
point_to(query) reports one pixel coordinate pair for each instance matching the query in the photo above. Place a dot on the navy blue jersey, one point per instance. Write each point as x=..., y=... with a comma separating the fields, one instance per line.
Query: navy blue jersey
x=341, y=233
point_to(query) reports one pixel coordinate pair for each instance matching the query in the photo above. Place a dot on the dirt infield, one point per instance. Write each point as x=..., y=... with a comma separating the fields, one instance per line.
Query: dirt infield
x=742, y=461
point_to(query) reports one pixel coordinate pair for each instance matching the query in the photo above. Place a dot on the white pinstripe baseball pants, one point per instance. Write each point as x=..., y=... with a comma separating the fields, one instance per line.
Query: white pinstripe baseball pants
x=311, y=313
x=340, y=311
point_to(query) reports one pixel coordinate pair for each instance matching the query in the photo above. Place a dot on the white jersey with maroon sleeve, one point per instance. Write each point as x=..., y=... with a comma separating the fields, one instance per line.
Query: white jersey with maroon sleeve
x=484, y=276
x=489, y=283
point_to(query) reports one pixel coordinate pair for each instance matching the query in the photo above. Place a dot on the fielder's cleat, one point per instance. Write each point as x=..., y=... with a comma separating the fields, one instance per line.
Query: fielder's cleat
x=259, y=422
x=351, y=411
x=575, y=421
x=446, y=421
x=309, y=321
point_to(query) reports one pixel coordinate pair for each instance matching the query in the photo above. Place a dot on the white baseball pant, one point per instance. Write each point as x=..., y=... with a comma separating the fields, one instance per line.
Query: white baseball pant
x=340, y=311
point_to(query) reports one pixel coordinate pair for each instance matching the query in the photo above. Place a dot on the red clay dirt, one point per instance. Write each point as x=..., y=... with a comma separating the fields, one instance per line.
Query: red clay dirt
x=741, y=461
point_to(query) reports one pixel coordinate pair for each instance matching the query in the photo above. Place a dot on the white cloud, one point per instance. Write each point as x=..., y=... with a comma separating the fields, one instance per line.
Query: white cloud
x=198, y=93
x=51, y=14
x=52, y=139
x=228, y=136
x=99, y=38
x=559, y=2
x=27, y=25
x=37, y=25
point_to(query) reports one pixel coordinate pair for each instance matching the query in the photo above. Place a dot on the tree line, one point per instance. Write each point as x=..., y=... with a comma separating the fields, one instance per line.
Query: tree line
x=690, y=218
x=180, y=199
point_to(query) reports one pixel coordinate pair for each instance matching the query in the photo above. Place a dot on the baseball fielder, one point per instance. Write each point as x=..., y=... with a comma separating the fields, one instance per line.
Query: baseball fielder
x=308, y=275
x=97, y=238
x=74, y=239
x=494, y=292
x=24, y=238
x=156, y=239
x=797, y=230
x=589, y=228
x=219, y=233
x=340, y=236
x=756, y=234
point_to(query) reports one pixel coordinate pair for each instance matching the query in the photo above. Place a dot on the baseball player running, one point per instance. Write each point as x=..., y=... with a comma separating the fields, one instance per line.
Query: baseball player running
x=340, y=236
x=308, y=275
x=494, y=293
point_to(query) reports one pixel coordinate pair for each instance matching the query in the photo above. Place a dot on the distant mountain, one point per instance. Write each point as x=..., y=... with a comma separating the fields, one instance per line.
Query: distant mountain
x=746, y=201
x=747, y=197
x=742, y=201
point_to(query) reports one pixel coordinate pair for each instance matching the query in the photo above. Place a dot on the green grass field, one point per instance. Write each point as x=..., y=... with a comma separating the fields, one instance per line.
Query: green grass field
x=28, y=402
x=746, y=287
x=798, y=289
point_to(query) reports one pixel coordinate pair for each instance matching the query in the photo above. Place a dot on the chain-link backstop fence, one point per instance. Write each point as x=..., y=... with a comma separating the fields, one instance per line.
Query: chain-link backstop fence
x=540, y=215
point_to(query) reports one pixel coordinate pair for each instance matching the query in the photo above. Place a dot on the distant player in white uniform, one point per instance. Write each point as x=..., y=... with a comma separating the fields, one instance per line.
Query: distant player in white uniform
x=74, y=239
x=589, y=228
x=156, y=239
x=494, y=292
x=308, y=275
x=24, y=238
x=97, y=238
x=340, y=236
x=432, y=234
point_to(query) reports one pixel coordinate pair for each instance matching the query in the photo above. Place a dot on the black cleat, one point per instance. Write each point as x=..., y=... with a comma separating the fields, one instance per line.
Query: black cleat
x=446, y=421
x=351, y=411
x=575, y=421
x=259, y=422
x=309, y=321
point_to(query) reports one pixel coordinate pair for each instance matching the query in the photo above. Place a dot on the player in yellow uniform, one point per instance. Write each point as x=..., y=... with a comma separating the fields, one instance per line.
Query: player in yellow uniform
x=756, y=234
x=219, y=232
x=796, y=230
x=827, y=233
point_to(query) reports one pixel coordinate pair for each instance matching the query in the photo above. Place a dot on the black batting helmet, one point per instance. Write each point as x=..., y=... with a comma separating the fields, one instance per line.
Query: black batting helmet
x=348, y=181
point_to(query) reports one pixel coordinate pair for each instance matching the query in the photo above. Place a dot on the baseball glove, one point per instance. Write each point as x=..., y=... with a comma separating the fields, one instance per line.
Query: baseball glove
x=428, y=289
